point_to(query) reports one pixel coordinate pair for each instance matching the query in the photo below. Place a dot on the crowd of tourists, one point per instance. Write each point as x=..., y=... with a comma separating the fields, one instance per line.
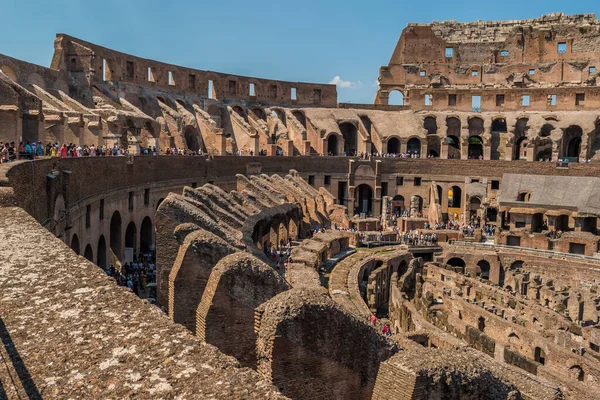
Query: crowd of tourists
x=280, y=254
x=137, y=275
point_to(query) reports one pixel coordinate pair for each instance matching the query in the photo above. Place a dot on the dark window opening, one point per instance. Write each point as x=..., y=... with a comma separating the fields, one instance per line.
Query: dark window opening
x=451, y=99
x=399, y=180
x=232, y=87
x=88, y=213
x=495, y=185
x=101, y=213
x=311, y=179
x=192, y=81
x=579, y=98
x=146, y=197
x=131, y=200
x=130, y=69
x=327, y=180
x=384, y=189
x=499, y=100
x=417, y=181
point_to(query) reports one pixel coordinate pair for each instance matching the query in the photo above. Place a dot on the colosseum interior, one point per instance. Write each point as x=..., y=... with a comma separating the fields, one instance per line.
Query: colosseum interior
x=463, y=221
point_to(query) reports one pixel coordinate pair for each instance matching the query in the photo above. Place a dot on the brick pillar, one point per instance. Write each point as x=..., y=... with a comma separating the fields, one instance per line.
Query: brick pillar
x=305, y=148
x=444, y=149
x=289, y=148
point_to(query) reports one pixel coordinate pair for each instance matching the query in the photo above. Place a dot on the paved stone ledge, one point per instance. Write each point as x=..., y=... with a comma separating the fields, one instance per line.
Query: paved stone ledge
x=79, y=335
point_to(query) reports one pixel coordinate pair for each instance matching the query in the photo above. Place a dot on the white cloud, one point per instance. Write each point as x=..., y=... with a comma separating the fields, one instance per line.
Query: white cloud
x=344, y=84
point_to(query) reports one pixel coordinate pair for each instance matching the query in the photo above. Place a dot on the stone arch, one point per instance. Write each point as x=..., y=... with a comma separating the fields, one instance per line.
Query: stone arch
x=499, y=125
x=396, y=98
x=476, y=126
x=433, y=146
x=101, y=252
x=572, y=142
x=483, y=269
x=131, y=236
x=474, y=206
x=88, y=253
x=350, y=134
x=280, y=114
x=216, y=113
x=305, y=329
x=35, y=79
x=237, y=285
x=576, y=372
x=115, y=234
x=333, y=144
x=260, y=113
x=518, y=264
x=300, y=117
x=364, y=198
x=393, y=145
x=457, y=262
x=240, y=111
x=430, y=124
x=146, y=235
x=398, y=204
x=402, y=268
x=546, y=130
x=9, y=72
x=193, y=140
x=75, y=244
x=475, y=147
x=413, y=146
x=199, y=253
x=455, y=197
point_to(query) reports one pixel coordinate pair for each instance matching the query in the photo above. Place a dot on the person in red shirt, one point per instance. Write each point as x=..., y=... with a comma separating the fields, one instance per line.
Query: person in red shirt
x=63, y=151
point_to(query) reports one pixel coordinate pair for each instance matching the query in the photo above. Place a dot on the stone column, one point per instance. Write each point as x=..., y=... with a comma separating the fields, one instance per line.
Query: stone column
x=423, y=148
x=403, y=143
x=444, y=149
x=464, y=148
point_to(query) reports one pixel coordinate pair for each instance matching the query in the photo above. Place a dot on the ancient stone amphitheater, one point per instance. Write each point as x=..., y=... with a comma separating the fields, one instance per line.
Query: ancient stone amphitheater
x=493, y=149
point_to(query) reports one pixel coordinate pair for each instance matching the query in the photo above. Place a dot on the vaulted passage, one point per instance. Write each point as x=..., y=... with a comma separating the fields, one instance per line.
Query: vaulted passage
x=350, y=135
x=393, y=146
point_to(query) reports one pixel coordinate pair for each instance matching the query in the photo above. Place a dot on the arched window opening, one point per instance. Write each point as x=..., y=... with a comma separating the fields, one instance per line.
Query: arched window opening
x=475, y=147
x=115, y=234
x=332, y=145
x=457, y=263
x=414, y=147
x=101, y=253
x=146, y=235
x=430, y=124
x=88, y=253
x=75, y=244
x=398, y=204
x=454, y=197
x=131, y=236
x=350, y=134
x=546, y=130
x=396, y=98
x=484, y=269
x=393, y=146
x=499, y=125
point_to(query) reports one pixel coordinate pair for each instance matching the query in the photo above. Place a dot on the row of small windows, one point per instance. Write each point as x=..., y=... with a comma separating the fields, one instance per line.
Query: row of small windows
x=525, y=100
x=232, y=88
x=561, y=48
x=88, y=208
x=475, y=72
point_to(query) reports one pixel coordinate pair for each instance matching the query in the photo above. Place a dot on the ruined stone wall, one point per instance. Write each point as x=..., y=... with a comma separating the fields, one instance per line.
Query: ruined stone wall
x=75, y=55
x=552, y=55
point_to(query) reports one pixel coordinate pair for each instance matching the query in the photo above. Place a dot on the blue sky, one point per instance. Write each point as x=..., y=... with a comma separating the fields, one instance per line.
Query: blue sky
x=307, y=40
